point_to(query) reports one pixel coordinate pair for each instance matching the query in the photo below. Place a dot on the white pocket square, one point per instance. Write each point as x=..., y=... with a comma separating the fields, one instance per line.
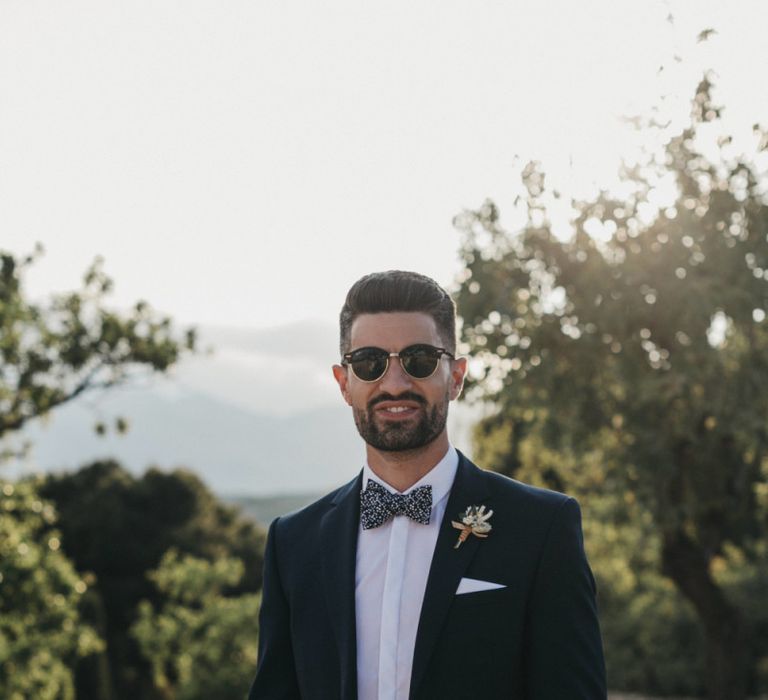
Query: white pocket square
x=473, y=585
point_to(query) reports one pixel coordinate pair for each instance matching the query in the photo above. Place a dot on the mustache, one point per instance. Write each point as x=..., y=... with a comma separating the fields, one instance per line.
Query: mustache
x=405, y=396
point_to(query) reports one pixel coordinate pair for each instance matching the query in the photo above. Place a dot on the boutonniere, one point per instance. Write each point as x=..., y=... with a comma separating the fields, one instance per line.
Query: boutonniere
x=474, y=520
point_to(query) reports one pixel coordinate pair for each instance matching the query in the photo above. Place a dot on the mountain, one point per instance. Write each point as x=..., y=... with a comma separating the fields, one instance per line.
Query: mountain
x=234, y=450
x=265, y=509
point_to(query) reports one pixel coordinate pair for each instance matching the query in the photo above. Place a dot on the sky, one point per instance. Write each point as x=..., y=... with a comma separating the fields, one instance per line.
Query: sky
x=242, y=163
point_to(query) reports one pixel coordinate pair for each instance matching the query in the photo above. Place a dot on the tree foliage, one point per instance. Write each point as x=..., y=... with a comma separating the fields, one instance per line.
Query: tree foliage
x=42, y=633
x=641, y=341
x=52, y=352
x=200, y=643
x=113, y=527
x=118, y=527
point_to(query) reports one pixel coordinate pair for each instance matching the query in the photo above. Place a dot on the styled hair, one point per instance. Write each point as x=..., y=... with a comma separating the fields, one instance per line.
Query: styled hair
x=398, y=290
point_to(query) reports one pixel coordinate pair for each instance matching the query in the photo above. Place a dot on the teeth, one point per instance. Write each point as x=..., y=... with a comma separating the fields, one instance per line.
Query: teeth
x=397, y=409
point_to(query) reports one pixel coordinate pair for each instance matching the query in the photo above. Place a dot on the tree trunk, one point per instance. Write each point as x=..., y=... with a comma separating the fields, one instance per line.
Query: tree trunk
x=93, y=679
x=727, y=664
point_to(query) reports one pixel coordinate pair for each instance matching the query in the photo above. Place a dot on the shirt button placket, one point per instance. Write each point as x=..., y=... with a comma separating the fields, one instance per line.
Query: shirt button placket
x=390, y=608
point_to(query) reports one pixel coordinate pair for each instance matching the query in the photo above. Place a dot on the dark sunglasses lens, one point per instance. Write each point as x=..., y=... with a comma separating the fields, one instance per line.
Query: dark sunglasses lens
x=420, y=361
x=368, y=364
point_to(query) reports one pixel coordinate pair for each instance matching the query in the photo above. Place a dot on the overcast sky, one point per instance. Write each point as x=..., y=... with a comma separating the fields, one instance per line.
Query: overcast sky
x=243, y=163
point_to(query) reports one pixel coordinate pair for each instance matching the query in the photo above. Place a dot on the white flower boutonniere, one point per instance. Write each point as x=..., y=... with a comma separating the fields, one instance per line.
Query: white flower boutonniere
x=475, y=521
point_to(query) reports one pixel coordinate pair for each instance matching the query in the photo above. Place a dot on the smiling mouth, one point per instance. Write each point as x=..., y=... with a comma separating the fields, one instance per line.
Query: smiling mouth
x=397, y=411
x=400, y=407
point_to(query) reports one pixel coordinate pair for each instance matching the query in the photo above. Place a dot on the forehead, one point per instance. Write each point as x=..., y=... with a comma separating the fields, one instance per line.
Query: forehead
x=393, y=331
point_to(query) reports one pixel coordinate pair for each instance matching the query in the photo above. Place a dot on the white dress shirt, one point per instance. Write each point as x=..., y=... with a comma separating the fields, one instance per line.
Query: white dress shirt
x=391, y=572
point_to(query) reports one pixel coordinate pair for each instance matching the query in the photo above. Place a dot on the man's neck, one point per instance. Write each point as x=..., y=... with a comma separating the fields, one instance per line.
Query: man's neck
x=401, y=470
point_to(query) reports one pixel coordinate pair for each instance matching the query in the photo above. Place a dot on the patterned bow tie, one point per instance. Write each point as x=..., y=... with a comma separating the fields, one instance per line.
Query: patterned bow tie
x=377, y=505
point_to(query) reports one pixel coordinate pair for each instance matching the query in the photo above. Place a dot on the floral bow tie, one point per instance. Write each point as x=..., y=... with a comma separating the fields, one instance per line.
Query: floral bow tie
x=377, y=505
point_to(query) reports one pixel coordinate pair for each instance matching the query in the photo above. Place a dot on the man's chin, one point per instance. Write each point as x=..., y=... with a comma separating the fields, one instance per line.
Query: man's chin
x=398, y=436
x=403, y=449
x=399, y=443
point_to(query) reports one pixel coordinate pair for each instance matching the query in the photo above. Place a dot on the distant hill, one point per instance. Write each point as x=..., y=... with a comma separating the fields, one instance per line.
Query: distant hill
x=265, y=509
x=235, y=451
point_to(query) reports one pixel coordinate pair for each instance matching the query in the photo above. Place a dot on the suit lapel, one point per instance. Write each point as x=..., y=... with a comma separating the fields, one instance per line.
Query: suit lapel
x=448, y=565
x=338, y=535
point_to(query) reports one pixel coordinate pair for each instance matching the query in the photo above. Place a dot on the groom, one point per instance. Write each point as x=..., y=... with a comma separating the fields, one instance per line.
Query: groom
x=424, y=578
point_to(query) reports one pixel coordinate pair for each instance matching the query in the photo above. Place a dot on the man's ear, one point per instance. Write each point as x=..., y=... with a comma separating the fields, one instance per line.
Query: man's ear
x=341, y=377
x=458, y=372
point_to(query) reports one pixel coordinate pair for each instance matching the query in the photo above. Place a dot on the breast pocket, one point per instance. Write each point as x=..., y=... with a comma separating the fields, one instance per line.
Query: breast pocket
x=485, y=618
x=494, y=596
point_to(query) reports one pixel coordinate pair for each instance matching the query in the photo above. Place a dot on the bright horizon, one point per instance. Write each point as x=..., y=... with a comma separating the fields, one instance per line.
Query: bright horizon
x=242, y=165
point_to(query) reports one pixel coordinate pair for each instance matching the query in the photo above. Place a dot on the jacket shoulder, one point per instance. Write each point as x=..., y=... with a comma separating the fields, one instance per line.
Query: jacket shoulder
x=512, y=488
x=516, y=493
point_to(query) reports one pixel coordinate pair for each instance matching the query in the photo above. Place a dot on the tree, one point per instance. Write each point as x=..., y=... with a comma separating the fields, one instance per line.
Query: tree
x=643, y=339
x=200, y=642
x=52, y=353
x=41, y=628
x=118, y=528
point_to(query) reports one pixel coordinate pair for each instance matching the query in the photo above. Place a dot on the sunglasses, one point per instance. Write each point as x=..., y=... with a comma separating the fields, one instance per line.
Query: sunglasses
x=419, y=361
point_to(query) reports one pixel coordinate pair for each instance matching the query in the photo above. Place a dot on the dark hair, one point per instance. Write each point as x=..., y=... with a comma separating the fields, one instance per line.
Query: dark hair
x=398, y=290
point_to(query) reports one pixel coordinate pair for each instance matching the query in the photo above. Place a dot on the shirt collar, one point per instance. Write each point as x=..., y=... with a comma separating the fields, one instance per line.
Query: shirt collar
x=440, y=477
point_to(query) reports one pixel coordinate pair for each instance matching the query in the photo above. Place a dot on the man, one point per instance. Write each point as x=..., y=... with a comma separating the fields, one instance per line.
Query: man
x=424, y=577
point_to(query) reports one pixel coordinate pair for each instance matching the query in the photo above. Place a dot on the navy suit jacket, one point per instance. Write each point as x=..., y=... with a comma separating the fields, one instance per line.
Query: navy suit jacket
x=536, y=639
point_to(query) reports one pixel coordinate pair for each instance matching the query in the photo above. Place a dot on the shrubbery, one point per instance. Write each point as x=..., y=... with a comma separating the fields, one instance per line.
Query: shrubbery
x=42, y=634
x=118, y=528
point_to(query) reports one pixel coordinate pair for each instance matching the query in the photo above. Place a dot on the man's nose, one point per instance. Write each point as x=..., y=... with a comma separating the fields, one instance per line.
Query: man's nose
x=395, y=378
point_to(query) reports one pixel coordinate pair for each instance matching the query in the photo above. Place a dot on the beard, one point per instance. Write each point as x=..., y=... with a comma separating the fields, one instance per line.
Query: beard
x=405, y=436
